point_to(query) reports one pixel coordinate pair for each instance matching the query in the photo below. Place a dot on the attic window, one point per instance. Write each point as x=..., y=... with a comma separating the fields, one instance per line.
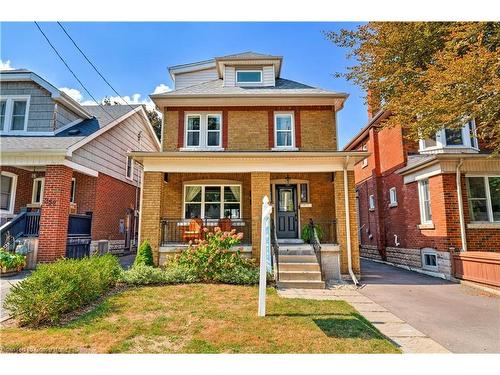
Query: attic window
x=248, y=76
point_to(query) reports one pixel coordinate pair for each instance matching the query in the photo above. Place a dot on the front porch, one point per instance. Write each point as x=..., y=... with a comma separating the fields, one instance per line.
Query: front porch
x=182, y=200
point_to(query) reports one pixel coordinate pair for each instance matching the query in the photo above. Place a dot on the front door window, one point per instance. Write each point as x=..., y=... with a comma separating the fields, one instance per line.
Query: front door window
x=286, y=215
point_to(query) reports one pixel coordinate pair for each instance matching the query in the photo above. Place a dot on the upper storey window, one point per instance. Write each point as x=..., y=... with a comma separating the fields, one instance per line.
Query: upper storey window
x=462, y=139
x=203, y=131
x=284, y=130
x=248, y=77
x=14, y=113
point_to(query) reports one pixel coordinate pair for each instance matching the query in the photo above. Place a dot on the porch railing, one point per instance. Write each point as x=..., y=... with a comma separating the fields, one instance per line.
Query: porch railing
x=25, y=224
x=326, y=230
x=275, y=247
x=316, y=245
x=181, y=231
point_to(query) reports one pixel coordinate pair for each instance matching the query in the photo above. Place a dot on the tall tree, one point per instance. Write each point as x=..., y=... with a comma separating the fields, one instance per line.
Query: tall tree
x=430, y=75
x=155, y=120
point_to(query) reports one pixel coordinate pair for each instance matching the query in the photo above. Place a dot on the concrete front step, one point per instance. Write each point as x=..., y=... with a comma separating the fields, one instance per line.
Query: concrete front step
x=308, y=251
x=300, y=275
x=299, y=266
x=297, y=259
x=301, y=284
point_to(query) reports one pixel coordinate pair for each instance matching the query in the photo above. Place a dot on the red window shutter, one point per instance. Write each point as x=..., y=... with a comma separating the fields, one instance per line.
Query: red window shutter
x=180, y=130
x=298, y=136
x=225, y=129
x=270, y=123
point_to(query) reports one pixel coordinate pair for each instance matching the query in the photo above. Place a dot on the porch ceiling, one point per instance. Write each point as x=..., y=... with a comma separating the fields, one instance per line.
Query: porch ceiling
x=230, y=162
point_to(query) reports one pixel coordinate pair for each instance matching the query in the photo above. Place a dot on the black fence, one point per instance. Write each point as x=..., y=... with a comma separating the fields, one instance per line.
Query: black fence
x=78, y=247
x=181, y=231
x=79, y=225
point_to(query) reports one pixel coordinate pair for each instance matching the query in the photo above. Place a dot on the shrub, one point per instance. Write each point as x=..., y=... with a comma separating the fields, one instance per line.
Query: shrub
x=211, y=260
x=61, y=287
x=147, y=275
x=144, y=255
x=307, y=233
x=9, y=261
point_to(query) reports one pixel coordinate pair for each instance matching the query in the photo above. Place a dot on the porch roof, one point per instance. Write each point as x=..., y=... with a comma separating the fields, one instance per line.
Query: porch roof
x=248, y=161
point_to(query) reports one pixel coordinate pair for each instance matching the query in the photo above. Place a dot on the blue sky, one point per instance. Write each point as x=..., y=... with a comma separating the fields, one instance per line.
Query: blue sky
x=134, y=56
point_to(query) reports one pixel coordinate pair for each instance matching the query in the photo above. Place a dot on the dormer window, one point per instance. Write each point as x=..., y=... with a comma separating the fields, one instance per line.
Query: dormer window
x=246, y=77
x=462, y=139
x=14, y=113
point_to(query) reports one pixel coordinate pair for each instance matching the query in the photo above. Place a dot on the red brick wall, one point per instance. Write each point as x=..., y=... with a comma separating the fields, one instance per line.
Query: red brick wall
x=85, y=193
x=113, y=198
x=24, y=187
x=55, y=211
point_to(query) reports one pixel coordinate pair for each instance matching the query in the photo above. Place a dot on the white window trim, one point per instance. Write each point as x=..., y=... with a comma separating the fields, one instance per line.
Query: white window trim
x=244, y=83
x=131, y=177
x=33, y=191
x=423, y=219
x=202, y=210
x=468, y=129
x=371, y=202
x=489, y=205
x=12, y=202
x=428, y=251
x=393, y=194
x=292, y=146
x=203, y=139
x=72, y=195
x=9, y=107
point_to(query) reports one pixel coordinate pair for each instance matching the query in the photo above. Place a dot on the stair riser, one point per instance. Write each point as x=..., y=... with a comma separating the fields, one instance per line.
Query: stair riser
x=299, y=267
x=301, y=285
x=299, y=276
x=297, y=252
x=297, y=259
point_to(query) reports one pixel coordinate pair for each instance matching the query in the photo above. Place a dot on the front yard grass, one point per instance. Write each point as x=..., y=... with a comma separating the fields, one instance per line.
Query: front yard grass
x=205, y=318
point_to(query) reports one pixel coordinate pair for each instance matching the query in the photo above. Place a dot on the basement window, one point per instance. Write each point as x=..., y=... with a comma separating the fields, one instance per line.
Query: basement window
x=429, y=259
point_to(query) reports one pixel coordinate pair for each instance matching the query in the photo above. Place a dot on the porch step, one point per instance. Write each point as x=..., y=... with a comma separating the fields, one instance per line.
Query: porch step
x=300, y=275
x=301, y=284
x=296, y=252
x=297, y=259
x=299, y=266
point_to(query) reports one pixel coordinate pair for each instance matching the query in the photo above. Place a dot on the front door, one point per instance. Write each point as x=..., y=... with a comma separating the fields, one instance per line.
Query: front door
x=286, y=215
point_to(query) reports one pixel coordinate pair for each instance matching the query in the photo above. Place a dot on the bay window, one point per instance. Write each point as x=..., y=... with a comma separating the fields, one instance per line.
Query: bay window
x=484, y=198
x=203, y=130
x=212, y=201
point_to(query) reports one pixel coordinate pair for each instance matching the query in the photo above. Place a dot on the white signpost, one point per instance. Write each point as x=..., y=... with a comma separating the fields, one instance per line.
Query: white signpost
x=265, y=253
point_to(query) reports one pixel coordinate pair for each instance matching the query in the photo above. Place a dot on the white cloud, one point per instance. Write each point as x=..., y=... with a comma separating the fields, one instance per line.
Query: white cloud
x=73, y=93
x=5, y=65
x=161, y=88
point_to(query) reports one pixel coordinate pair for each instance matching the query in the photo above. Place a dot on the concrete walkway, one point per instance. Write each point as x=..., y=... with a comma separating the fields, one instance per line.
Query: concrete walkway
x=6, y=283
x=409, y=339
x=460, y=318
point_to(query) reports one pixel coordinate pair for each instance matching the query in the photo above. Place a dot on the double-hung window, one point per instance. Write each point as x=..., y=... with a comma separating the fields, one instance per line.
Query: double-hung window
x=212, y=201
x=484, y=198
x=393, y=197
x=38, y=187
x=14, y=113
x=203, y=131
x=284, y=130
x=424, y=198
x=8, y=192
x=371, y=202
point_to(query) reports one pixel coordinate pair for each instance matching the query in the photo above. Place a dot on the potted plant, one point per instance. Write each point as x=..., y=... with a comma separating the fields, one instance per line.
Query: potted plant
x=307, y=232
x=11, y=263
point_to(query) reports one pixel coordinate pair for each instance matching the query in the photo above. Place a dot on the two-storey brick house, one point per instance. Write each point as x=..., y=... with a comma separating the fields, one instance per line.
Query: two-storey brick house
x=66, y=179
x=432, y=206
x=235, y=131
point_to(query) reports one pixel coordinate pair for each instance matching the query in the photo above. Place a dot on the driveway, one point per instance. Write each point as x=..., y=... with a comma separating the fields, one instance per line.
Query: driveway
x=461, y=318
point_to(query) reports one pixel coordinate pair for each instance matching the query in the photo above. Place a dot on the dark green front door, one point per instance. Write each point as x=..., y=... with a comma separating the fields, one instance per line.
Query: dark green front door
x=286, y=214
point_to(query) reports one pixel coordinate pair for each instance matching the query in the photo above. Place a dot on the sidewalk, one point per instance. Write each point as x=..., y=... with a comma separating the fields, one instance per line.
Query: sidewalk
x=401, y=333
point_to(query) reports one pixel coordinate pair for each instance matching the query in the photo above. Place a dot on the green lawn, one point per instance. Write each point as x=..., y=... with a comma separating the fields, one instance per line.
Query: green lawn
x=205, y=318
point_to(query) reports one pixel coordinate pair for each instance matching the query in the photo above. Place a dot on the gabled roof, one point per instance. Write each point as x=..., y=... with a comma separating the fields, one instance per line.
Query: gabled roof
x=216, y=87
x=108, y=113
x=57, y=95
x=248, y=58
x=249, y=55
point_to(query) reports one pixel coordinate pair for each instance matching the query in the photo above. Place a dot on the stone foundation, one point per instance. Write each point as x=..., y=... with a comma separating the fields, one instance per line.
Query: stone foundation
x=370, y=252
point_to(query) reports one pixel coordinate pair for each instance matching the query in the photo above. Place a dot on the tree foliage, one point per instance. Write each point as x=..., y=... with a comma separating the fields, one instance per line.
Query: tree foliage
x=430, y=75
x=155, y=120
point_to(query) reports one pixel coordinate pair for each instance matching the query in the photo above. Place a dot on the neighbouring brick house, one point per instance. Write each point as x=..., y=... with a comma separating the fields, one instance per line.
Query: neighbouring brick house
x=66, y=178
x=432, y=205
x=235, y=131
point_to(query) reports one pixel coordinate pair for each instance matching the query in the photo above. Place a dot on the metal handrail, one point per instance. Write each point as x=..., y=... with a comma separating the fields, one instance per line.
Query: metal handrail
x=316, y=245
x=276, y=251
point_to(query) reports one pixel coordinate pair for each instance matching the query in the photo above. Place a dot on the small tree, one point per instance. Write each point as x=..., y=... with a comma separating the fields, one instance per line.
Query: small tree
x=144, y=255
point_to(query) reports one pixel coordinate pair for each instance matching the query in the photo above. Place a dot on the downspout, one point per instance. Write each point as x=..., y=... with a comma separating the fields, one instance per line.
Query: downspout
x=348, y=223
x=460, y=206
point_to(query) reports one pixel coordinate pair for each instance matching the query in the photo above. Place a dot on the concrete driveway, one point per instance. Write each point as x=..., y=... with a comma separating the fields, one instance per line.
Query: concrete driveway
x=461, y=318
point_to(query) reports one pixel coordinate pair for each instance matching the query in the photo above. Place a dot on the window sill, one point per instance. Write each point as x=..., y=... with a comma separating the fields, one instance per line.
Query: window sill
x=484, y=225
x=391, y=205
x=371, y=209
x=285, y=149
x=426, y=226
x=203, y=149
